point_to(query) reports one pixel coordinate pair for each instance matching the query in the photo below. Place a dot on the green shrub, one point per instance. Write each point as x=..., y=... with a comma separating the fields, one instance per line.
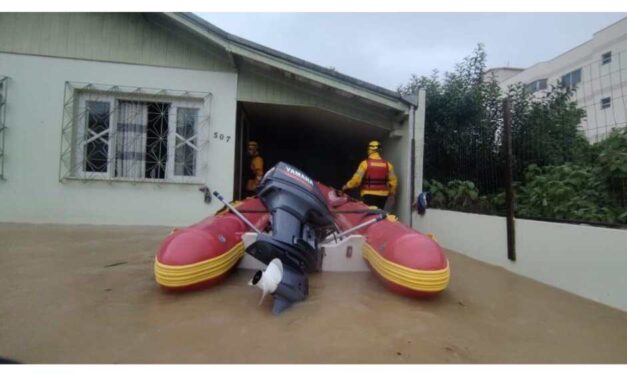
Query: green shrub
x=456, y=195
x=438, y=193
x=558, y=174
x=611, y=163
x=568, y=191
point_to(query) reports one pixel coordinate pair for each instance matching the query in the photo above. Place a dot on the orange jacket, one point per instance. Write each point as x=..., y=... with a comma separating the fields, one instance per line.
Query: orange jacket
x=390, y=185
x=256, y=170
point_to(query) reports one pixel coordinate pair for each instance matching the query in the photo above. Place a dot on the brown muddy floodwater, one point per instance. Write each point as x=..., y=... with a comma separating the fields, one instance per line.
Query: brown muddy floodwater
x=86, y=294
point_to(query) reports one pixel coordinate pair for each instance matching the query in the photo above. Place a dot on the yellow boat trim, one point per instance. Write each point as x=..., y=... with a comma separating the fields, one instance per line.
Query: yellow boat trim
x=419, y=280
x=432, y=236
x=391, y=218
x=185, y=275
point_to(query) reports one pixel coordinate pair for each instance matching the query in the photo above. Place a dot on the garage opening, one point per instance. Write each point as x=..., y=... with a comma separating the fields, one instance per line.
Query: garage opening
x=325, y=145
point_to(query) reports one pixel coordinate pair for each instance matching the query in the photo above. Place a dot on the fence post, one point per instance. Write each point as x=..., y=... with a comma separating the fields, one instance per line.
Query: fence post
x=509, y=188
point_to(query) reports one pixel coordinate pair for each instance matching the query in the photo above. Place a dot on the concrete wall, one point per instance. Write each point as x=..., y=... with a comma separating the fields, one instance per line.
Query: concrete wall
x=597, y=80
x=397, y=150
x=32, y=191
x=584, y=260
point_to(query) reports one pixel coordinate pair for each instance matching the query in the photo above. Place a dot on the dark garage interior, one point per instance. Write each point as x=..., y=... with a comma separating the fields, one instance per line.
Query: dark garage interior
x=325, y=145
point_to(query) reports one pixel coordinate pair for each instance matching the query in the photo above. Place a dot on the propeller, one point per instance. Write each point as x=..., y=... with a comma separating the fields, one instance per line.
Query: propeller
x=268, y=281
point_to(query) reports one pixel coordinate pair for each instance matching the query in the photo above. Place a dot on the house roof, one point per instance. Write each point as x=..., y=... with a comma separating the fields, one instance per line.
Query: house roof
x=231, y=42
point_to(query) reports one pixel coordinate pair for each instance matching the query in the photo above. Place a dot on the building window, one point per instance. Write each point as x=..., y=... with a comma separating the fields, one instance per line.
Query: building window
x=135, y=135
x=606, y=103
x=606, y=58
x=3, y=102
x=536, y=85
x=571, y=79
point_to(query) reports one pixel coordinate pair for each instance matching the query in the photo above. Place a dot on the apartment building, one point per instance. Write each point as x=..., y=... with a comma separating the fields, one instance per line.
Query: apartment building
x=596, y=69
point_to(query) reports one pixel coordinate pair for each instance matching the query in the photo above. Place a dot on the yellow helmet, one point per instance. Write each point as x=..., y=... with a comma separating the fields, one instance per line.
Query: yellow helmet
x=374, y=146
x=253, y=148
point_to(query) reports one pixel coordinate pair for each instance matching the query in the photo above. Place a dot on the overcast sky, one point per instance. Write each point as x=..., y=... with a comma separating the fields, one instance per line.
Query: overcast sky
x=386, y=48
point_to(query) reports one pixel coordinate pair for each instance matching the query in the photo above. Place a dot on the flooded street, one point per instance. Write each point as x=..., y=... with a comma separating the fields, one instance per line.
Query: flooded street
x=86, y=294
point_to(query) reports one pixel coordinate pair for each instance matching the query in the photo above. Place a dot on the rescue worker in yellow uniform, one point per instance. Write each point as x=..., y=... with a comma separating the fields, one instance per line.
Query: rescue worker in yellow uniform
x=254, y=168
x=375, y=176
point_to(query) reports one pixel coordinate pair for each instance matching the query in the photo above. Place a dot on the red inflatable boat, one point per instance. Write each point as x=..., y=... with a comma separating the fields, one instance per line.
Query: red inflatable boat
x=294, y=220
x=406, y=261
x=203, y=254
x=199, y=256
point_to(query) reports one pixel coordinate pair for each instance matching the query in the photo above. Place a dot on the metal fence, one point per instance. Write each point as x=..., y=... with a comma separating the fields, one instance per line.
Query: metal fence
x=556, y=155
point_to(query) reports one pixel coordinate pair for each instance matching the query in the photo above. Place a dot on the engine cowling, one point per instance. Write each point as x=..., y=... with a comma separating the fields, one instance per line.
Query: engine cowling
x=299, y=218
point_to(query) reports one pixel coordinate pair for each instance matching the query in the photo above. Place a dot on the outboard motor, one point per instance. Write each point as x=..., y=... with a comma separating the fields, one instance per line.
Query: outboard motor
x=300, y=219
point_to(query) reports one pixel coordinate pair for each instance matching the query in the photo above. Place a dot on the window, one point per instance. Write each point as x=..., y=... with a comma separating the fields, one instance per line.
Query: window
x=536, y=85
x=138, y=139
x=135, y=137
x=3, y=100
x=606, y=58
x=186, y=146
x=606, y=103
x=571, y=79
x=96, y=136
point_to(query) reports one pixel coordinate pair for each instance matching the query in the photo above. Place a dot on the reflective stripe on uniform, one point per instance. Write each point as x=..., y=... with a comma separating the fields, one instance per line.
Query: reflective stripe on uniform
x=374, y=193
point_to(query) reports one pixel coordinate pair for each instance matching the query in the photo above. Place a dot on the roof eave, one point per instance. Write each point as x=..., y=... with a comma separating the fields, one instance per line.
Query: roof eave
x=251, y=50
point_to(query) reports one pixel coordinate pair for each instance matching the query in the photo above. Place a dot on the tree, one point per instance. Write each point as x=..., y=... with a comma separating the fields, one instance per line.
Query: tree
x=545, y=129
x=610, y=161
x=557, y=173
x=463, y=117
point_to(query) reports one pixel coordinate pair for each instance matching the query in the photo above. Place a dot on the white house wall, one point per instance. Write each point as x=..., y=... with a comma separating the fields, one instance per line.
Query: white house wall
x=397, y=149
x=32, y=191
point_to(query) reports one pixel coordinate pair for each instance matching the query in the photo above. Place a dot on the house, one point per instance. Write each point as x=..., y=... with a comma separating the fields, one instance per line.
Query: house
x=120, y=118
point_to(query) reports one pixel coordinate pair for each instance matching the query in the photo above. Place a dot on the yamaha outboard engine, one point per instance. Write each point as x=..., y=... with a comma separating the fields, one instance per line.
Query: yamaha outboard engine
x=300, y=219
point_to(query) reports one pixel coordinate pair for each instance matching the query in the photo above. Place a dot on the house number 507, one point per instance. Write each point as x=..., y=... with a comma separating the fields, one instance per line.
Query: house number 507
x=221, y=137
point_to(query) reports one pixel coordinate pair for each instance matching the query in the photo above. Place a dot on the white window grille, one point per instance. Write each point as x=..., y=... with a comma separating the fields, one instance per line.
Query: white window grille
x=134, y=134
x=3, y=105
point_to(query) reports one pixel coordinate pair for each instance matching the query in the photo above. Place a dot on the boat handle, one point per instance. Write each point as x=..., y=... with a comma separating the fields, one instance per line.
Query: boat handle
x=236, y=212
x=361, y=225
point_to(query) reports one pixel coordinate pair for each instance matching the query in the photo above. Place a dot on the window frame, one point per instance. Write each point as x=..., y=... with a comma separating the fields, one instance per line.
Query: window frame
x=607, y=104
x=81, y=130
x=570, y=75
x=72, y=158
x=172, y=135
x=537, y=85
x=606, y=58
x=172, y=138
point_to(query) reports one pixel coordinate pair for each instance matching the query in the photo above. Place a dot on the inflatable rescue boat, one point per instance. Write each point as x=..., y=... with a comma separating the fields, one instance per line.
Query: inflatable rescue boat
x=288, y=226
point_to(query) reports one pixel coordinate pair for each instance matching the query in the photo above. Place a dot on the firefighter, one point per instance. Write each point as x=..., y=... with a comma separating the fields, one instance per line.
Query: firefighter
x=254, y=168
x=375, y=176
